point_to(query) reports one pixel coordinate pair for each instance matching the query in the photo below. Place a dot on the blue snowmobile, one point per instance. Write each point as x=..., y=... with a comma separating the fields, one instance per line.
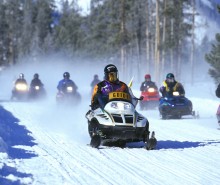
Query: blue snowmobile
x=175, y=106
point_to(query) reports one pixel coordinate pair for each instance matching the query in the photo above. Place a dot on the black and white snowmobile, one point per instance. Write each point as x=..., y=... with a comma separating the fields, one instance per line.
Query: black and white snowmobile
x=117, y=121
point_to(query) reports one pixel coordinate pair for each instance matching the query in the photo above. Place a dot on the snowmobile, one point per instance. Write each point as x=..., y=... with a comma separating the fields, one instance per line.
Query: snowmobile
x=37, y=92
x=175, y=106
x=20, y=92
x=68, y=96
x=117, y=122
x=150, y=98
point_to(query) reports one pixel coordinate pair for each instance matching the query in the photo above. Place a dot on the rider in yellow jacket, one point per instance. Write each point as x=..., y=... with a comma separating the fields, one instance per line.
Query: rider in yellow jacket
x=170, y=85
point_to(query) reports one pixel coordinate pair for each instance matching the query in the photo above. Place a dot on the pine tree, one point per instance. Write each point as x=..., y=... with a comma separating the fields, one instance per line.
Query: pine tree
x=68, y=36
x=3, y=33
x=14, y=17
x=213, y=58
x=27, y=29
x=43, y=21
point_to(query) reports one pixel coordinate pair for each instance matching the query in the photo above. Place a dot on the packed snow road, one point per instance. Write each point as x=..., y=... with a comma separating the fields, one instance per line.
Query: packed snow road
x=187, y=152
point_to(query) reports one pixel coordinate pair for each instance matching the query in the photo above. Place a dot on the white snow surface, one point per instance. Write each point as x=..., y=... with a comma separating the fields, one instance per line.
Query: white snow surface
x=187, y=151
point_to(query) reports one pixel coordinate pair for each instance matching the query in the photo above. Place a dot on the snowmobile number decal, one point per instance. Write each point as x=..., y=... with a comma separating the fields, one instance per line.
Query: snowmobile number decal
x=119, y=95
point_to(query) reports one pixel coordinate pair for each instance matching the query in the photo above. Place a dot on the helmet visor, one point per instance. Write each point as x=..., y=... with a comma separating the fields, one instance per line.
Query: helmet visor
x=112, y=77
x=170, y=80
x=66, y=76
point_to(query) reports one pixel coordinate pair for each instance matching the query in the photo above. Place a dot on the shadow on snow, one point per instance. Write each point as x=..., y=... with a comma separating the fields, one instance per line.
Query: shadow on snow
x=12, y=134
x=185, y=144
x=174, y=144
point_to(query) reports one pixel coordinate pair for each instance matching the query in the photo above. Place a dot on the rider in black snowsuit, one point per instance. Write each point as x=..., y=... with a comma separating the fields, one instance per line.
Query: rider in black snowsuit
x=36, y=81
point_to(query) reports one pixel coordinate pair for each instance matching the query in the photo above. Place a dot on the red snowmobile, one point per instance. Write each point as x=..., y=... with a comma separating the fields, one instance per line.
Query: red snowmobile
x=150, y=98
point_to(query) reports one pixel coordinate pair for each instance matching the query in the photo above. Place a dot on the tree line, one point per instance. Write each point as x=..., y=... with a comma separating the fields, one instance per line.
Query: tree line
x=155, y=36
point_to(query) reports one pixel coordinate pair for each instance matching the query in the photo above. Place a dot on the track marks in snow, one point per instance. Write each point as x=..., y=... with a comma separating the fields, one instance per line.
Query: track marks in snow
x=70, y=161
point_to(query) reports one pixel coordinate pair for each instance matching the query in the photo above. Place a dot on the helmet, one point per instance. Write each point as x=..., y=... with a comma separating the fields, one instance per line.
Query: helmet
x=110, y=68
x=147, y=76
x=170, y=78
x=96, y=76
x=21, y=76
x=66, y=75
x=36, y=75
x=170, y=75
x=111, y=73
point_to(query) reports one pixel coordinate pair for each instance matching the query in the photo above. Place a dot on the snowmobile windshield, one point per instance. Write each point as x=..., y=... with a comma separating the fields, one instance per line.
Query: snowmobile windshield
x=114, y=96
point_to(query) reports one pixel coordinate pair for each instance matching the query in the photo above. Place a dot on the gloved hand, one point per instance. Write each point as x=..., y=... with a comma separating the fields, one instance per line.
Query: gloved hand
x=141, y=98
x=162, y=89
x=94, y=106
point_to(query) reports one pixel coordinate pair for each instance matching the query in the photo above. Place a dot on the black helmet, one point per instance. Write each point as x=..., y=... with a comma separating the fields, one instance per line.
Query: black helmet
x=66, y=75
x=170, y=75
x=36, y=75
x=110, y=68
x=21, y=76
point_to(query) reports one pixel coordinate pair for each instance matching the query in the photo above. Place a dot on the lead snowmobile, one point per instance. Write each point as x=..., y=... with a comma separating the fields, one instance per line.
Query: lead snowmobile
x=117, y=121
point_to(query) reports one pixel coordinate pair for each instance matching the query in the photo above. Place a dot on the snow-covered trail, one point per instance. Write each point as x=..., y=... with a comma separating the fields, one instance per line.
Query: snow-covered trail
x=187, y=153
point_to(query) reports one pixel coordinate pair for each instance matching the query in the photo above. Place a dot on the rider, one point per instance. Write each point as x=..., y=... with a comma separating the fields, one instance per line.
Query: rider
x=147, y=83
x=170, y=85
x=109, y=84
x=36, y=81
x=20, y=80
x=66, y=81
x=95, y=81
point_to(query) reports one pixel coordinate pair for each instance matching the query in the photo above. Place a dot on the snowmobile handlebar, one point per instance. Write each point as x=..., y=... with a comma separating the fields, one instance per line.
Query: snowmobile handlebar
x=140, y=99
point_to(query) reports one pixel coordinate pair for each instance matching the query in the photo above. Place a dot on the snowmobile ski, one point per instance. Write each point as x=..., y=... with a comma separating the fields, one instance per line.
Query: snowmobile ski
x=152, y=142
x=95, y=141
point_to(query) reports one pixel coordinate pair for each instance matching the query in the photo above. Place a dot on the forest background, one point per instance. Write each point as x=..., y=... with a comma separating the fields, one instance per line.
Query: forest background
x=143, y=36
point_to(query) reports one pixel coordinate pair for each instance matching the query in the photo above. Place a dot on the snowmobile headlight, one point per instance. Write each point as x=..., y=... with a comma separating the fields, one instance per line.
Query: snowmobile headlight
x=151, y=89
x=21, y=87
x=114, y=105
x=69, y=89
x=127, y=106
x=37, y=87
x=117, y=105
x=175, y=93
x=120, y=105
